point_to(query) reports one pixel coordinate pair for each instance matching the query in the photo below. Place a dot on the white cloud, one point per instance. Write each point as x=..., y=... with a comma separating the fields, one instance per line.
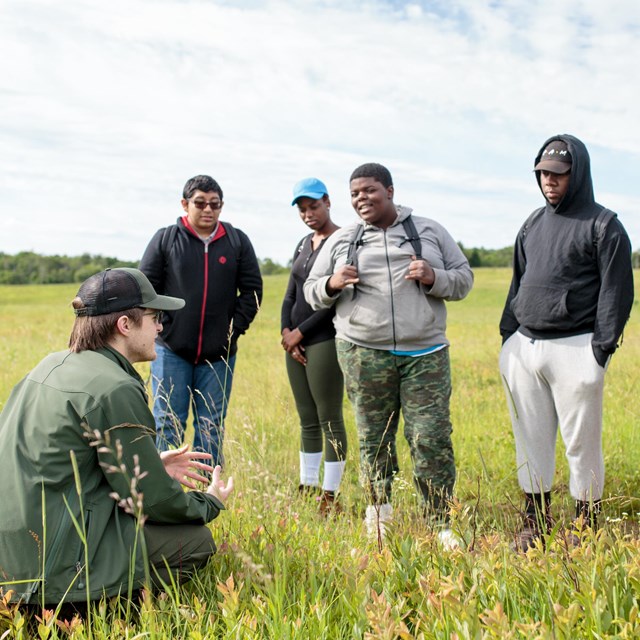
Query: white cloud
x=107, y=108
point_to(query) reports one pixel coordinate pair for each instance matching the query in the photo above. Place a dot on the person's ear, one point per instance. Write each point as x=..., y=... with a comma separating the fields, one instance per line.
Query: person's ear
x=185, y=204
x=123, y=325
x=390, y=192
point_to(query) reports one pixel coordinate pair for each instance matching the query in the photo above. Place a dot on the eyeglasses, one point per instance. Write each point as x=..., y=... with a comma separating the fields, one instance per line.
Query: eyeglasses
x=157, y=316
x=203, y=204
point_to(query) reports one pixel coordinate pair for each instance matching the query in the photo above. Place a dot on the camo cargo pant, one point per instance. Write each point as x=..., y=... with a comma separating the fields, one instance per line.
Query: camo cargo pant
x=379, y=384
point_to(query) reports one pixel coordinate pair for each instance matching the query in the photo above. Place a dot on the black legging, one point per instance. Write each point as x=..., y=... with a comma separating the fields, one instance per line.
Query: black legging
x=318, y=389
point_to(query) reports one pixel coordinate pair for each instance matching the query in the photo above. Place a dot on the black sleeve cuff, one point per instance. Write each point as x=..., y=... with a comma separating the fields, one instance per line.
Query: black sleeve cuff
x=601, y=355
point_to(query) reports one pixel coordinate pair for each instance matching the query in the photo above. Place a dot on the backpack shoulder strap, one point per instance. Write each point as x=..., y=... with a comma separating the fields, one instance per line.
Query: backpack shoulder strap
x=352, y=251
x=412, y=236
x=234, y=238
x=354, y=243
x=168, y=236
x=530, y=220
x=299, y=247
x=600, y=225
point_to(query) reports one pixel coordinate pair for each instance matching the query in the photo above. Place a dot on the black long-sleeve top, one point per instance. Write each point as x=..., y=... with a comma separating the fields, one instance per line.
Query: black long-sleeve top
x=315, y=326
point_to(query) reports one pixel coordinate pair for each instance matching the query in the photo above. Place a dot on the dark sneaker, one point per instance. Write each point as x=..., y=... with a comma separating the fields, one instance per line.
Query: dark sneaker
x=328, y=504
x=309, y=490
x=527, y=538
x=572, y=538
x=579, y=528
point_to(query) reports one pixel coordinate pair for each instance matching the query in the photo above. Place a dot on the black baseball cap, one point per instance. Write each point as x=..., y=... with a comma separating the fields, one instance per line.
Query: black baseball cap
x=120, y=289
x=555, y=158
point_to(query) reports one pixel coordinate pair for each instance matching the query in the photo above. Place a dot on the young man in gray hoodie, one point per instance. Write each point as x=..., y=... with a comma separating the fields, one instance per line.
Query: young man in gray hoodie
x=389, y=288
x=570, y=297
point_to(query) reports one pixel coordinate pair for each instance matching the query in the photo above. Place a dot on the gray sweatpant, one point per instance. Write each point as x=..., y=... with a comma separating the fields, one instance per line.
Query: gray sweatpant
x=551, y=383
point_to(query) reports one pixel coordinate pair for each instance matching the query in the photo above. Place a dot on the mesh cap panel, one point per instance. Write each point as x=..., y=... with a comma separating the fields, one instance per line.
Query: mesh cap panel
x=120, y=289
x=109, y=291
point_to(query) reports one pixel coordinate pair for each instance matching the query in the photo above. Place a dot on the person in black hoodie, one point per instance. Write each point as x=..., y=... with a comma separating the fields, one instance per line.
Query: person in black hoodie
x=569, y=299
x=212, y=265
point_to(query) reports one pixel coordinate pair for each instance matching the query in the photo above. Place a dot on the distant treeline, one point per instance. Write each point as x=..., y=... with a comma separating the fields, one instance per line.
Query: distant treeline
x=504, y=257
x=488, y=257
x=32, y=268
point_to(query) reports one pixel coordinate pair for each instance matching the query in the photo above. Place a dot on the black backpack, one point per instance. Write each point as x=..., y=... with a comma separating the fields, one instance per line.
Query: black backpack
x=169, y=235
x=356, y=241
x=599, y=224
x=409, y=229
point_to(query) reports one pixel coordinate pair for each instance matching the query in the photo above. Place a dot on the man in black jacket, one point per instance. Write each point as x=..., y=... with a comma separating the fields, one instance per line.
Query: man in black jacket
x=213, y=267
x=570, y=297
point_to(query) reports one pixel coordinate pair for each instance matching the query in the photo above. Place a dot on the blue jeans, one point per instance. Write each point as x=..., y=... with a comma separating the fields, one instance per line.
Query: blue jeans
x=177, y=385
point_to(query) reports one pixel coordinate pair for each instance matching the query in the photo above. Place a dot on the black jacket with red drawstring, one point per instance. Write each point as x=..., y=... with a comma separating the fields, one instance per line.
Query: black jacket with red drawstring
x=220, y=283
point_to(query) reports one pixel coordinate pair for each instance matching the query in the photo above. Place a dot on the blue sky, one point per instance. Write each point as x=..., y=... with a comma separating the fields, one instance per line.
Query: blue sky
x=106, y=109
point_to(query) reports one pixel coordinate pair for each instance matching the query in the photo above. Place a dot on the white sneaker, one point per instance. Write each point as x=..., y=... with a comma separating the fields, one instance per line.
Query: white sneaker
x=377, y=517
x=449, y=540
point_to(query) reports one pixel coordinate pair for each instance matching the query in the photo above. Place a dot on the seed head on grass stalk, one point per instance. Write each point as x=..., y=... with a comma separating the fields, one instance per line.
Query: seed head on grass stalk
x=133, y=504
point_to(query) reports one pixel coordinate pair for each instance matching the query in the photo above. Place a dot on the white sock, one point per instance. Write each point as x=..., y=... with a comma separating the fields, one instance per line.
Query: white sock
x=333, y=475
x=310, y=468
x=377, y=517
x=381, y=512
x=448, y=539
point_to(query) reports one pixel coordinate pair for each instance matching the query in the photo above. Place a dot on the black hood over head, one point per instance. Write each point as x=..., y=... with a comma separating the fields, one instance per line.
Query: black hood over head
x=580, y=192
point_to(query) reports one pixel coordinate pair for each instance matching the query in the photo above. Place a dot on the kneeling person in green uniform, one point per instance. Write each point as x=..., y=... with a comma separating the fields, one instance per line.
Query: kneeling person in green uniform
x=77, y=451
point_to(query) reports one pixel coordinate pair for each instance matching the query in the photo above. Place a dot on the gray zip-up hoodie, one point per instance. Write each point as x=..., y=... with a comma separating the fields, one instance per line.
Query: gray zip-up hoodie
x=389, y=312
x=570, y=278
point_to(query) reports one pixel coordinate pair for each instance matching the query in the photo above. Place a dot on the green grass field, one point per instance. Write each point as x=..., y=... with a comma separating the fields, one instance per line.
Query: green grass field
x=282, y=572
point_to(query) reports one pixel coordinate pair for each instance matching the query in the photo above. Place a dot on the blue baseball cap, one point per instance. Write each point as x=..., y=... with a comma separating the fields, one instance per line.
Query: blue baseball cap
x=309, y=188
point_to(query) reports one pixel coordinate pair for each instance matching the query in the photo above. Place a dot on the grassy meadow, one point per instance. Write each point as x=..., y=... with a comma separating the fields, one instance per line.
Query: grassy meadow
x=283, y=572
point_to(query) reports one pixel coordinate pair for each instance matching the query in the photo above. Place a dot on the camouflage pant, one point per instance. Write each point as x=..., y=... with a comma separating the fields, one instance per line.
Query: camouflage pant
x=379, y=384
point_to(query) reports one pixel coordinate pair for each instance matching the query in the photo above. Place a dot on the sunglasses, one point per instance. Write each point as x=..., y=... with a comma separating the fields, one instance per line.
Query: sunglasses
x=157, y=316
x=203, y=204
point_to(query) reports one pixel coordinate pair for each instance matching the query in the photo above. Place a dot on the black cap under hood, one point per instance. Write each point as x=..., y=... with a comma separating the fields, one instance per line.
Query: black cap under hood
x=580, y=192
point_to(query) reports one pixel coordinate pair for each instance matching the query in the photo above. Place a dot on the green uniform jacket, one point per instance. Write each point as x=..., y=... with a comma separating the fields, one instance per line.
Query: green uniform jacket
x=47, y=417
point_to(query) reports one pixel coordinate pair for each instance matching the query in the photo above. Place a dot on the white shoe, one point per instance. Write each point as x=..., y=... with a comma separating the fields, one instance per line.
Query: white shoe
x=449, y=540
x=377, y=518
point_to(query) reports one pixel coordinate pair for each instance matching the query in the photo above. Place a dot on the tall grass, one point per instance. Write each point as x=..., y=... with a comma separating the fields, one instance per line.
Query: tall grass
x=282, y=572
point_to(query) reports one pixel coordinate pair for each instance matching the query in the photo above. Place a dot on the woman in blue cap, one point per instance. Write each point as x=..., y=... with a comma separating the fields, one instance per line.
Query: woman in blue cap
x=312, y=365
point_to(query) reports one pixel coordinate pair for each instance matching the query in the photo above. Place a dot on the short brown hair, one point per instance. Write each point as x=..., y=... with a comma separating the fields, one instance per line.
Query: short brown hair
x=90, y=333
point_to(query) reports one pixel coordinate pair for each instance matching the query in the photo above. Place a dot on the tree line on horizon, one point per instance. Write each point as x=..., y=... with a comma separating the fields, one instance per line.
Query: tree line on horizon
x=28, y=267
